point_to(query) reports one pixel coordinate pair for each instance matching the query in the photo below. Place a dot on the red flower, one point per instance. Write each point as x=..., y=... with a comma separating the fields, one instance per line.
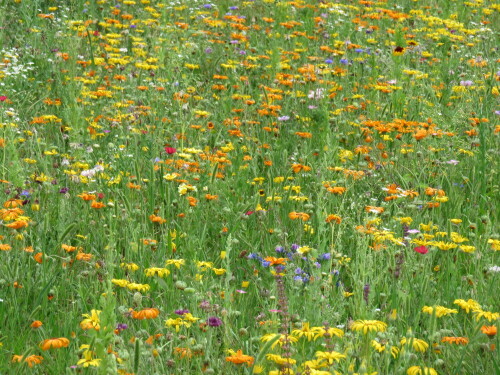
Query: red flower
x=421, y=249
x=170, y=150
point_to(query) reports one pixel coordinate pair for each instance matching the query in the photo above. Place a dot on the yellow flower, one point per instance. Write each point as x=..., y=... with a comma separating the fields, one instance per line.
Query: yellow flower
x=330, y=357
x=306, y=332
x=378, y=346
x=417, y=344
x=160, y=272
x=176, y=262
x=368, y=326
x=440, y=311
x=490, y=316
x=418, y=370
x=87, y=360
x=91, y=320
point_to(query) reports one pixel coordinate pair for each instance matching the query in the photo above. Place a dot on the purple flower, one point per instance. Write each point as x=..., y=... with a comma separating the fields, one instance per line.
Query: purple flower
x=121, y=326
x=466, y=83
x=207, y=6
x=233, y=8
x=279, y=249
x=344, y=61
x=213, y=321
x=64, y=190
x=328, y=61
x=181, y=311
x=294, y=247
x=283, y=118
x=208, y=50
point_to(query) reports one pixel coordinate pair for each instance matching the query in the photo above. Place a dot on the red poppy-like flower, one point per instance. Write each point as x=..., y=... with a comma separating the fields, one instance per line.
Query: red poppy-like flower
x=421, y=249
x=170, y=150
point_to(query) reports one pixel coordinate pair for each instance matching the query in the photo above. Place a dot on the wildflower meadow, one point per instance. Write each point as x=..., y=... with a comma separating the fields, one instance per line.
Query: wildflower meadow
x=267, y=187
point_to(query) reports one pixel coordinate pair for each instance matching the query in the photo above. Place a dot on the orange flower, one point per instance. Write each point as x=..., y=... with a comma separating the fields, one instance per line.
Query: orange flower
x=87, y=197
x=36, y=324
x=83, y=256
x=337, y=190
x=10, y=214
x=239, y=358
x=68, y=248
x=148, y=313
x=275, y=261
x=30, y=360
x=456, y=340
x=157, y=219
x=377, y=210
x=38, y=257
x=61, y=342
x=13, y=203
x=96, y=204
x=335, y=218
x=18, y=224
x=490, y=331
x=298, y=215
x=5, y=247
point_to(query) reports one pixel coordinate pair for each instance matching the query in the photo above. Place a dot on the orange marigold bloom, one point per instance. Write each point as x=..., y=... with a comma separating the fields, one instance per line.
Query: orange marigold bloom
x=239, y=358
x=38, y=257
x=490, y=331
x=68, y=248
x=298, y=215
x=87, y=197
x=377, y=210
x=13, y=203
x=18, y=224
x=337, y=190
x=96, y=204
x=56, y=343
x=275, y=261
x=456, y=340
x=148, y=313
x=83, y=256
x=30, y=360
x=10, y=214
x=157, y=219
x=36, y=324
x=5, y=247
x=335, y=218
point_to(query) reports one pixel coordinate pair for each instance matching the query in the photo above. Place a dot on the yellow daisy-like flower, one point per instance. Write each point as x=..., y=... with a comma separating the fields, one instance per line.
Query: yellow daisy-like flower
x=306, y=331
x=440, y=311
x=490, y=316
x=417, y=344
x=330, y=357
x=418, y=370
x=91, y=320
x=156, y=271
x=468, y=306
x=368, y=326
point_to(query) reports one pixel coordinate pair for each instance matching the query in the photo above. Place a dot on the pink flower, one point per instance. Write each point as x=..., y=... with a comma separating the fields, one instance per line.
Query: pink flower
x=421, y=249
x=3, y=98
x=170, y=150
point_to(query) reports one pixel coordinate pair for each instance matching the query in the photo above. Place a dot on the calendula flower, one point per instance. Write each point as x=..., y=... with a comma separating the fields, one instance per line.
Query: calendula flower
x=36, y=324
x=239, y=358
x=157, y=219
x=367, y=326
x=489, y=331
x=148, y=313
x=56, y=343
x=456, y=340
x=31, y=360
x=333, y=218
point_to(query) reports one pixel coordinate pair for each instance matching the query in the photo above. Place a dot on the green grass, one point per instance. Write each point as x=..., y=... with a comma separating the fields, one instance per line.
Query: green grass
x=154, y=156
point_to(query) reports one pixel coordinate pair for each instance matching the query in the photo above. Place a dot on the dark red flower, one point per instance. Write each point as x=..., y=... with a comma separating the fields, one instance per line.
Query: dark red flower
x=170, y=150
